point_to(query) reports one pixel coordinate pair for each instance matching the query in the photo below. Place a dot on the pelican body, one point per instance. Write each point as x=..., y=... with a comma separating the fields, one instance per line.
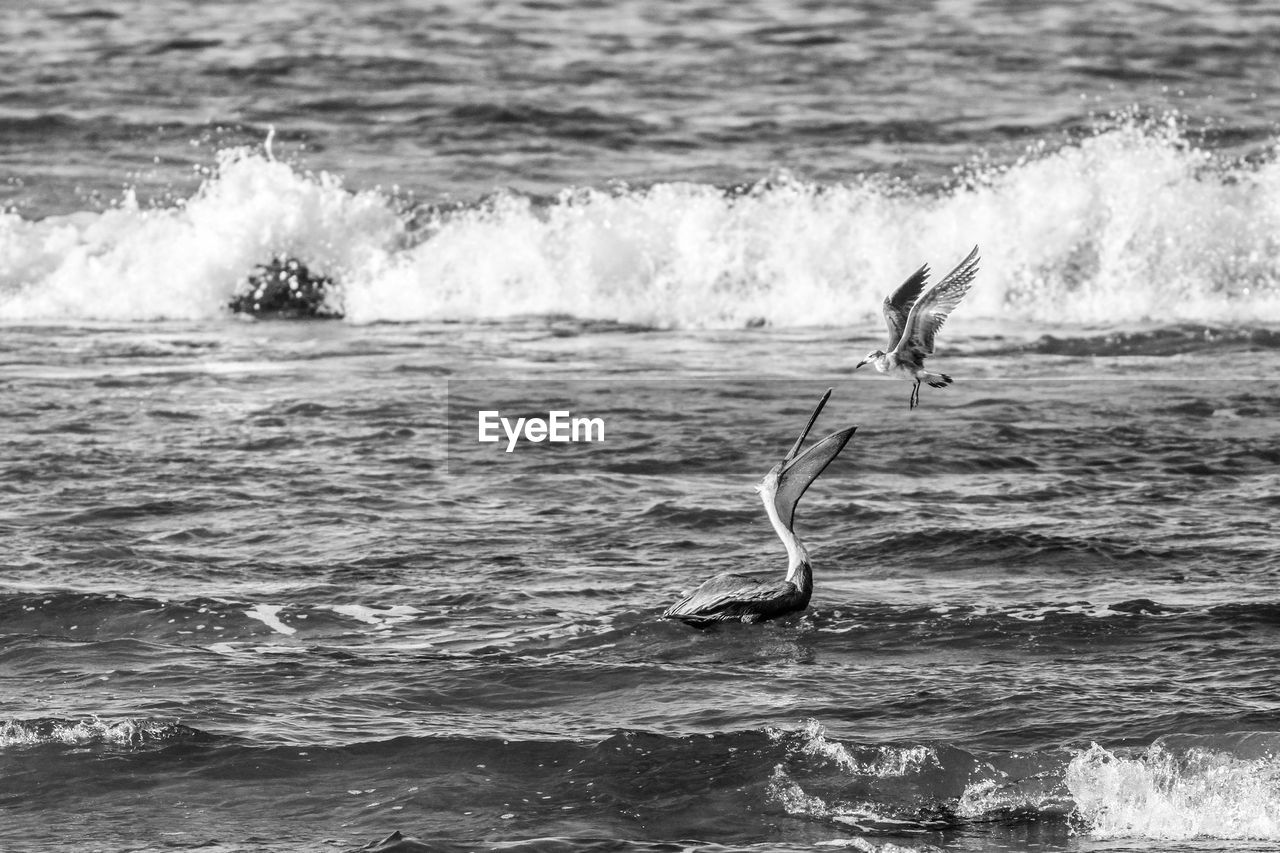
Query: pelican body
x=732, y=597
x=914, y=321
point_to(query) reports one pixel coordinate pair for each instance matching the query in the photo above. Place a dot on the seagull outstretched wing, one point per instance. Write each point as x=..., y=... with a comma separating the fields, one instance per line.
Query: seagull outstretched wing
x=897, y=305
x=932, y=309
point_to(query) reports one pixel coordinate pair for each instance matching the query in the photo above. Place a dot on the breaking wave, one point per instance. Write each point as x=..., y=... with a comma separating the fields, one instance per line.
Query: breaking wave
x=1133, y=223
x=92, y=731
x=1181, y=788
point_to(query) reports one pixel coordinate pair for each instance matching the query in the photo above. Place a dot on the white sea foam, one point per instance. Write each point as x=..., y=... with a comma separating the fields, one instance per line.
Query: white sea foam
x=884, y=761
x=998, y=794
x=1132, y=223
x=1038, y=614
x=825, y=792
x=269, y=615
x=186, y=262
x=871, y=847
x=783, y=790
x=380, y=617
x=1166, y=795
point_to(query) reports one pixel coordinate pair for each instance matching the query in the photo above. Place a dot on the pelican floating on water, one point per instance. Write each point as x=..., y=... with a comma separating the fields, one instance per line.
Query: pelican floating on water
x=914, y=320
x=739, y=598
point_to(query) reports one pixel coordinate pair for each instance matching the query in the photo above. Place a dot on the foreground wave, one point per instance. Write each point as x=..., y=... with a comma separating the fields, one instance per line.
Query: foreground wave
x=1132, y=223
x=1180, y=787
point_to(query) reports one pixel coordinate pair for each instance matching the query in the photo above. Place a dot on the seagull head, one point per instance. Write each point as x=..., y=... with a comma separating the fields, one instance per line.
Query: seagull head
x=871, y=356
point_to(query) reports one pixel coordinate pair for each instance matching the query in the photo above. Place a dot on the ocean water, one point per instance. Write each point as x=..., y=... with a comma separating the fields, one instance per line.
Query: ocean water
x=262, y=588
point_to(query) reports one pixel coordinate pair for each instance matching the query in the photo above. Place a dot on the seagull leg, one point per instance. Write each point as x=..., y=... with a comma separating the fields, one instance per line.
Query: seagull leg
x=915, y=395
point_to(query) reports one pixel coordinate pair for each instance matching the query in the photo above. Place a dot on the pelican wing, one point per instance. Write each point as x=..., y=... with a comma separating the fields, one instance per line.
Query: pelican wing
x=897, y=305
x=798, y=473
x=932, y=309
x=730, y=597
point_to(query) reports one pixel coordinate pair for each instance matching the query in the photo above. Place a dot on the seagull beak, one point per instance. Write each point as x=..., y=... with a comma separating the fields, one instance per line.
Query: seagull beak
x=859, y=364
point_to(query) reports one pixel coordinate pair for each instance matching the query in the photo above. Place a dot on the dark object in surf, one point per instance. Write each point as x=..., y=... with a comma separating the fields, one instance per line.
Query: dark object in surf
x=285, y=288
x=1143, y=606
x=396, y=842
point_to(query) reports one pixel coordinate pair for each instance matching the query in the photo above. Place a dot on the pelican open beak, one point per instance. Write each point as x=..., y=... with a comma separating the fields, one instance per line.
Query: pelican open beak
x=796, y=473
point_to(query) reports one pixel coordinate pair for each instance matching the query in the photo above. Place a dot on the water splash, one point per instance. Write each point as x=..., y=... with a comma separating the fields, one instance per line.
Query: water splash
x=187, y=261
x=1172, y=794
x=866, y=815
x=871, y=787
x=92, y=730
x=877, y=761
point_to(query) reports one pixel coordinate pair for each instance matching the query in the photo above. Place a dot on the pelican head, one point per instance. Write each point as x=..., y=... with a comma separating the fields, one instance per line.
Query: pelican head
x=871, y=357
x=782, y=488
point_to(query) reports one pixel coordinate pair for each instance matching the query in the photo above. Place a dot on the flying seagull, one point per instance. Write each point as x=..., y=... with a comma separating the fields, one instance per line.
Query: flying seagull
x=914, y=320
x=730, y=597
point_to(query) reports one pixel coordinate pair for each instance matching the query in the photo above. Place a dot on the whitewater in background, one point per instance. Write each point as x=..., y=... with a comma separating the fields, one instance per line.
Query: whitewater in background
x=1132, y=224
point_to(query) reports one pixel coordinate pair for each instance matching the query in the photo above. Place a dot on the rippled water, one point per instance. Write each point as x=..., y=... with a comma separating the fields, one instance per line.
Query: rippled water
x=263, y=589
x=457, y=98
x=247, y=568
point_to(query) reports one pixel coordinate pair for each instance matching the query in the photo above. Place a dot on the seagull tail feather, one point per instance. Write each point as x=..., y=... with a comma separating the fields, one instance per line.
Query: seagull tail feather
x=937, y=380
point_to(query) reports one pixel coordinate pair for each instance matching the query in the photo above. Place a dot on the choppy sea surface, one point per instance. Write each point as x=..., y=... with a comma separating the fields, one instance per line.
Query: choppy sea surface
x=262, y=589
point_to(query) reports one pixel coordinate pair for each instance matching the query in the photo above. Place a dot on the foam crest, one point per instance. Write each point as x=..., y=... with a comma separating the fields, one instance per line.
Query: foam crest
x=875, y=761
x=1041, y=793
x=382, y=618
x=670, y=255
x=865, y=816
x=187, y=261
x=1132, y=223
x=269, y=615
x=1176, y=794
x=871, y=787
x=127, y=732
